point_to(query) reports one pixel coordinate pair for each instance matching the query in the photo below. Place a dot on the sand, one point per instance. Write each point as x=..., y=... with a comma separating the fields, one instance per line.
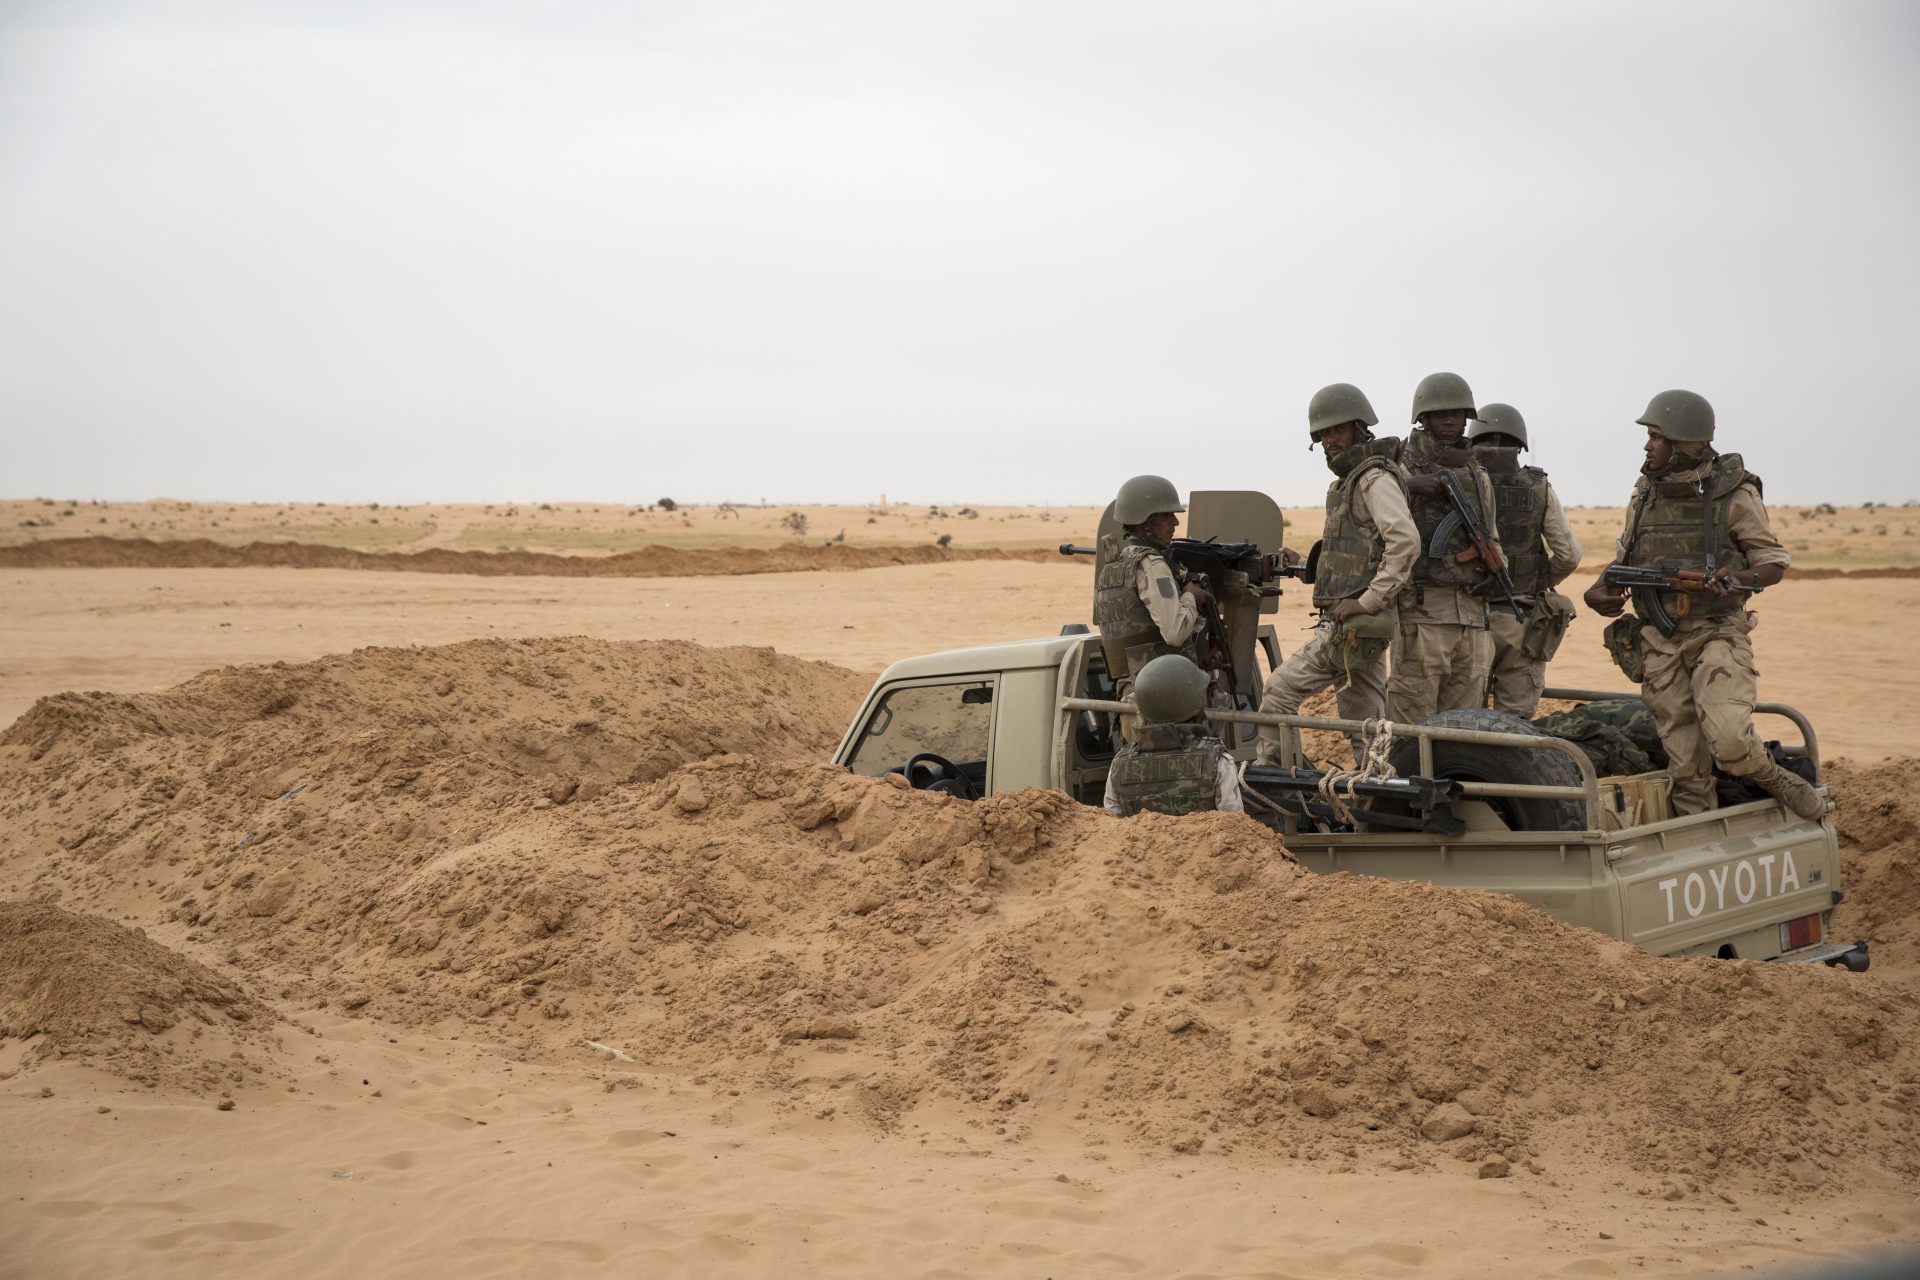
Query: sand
x=1834, y=647
x=562, y=953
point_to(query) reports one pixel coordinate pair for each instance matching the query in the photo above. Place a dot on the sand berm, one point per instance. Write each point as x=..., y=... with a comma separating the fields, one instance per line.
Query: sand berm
x=549, y=842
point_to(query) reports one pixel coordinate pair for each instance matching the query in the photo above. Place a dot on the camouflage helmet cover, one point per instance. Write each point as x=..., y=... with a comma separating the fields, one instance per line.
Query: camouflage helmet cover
x=1336, y=405
x=1144, y=497
x=1680, y=415
x=1500, y=419
x=1169, y=690
x=1439, y=392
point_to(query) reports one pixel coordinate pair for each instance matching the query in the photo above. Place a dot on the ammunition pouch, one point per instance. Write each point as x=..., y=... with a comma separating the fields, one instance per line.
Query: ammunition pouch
x=1622, y=638
x=1361, y=641
x=1547, y=626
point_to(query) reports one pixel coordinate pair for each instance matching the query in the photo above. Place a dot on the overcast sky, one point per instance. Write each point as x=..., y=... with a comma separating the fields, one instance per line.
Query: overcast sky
x=977, y=251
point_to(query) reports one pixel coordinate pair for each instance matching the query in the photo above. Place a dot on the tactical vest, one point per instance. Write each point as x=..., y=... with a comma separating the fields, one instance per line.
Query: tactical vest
x=1520, y=502
x=1128, y=635
x=1682, y=524
x=1349, y=553
x=1423, y=455
x=1170, y=768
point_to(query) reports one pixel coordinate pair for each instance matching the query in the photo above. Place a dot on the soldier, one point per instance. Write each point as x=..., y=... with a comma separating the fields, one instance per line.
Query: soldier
x=1174, y=765
x=1695, y=508
x=1367, y=549
x=1442, y=650
x=1542, y=550
x=1141, y=607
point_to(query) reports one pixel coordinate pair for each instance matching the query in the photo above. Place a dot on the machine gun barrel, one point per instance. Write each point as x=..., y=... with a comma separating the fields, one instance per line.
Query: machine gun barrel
x=1296, y=791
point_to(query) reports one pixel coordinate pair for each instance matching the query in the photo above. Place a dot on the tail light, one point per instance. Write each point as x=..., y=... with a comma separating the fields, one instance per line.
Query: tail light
x=1804, y=932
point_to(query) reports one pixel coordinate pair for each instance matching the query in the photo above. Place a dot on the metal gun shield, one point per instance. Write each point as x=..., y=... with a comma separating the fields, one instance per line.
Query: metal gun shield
x=1237, y=515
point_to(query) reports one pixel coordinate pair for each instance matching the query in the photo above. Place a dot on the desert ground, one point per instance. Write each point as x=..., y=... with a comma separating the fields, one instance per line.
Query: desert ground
x=481, y=913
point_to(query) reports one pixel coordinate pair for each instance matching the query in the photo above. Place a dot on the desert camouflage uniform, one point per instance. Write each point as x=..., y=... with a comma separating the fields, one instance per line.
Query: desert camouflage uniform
x=1143, y=612
x=1367, y=553
x=1542, y=550
x=1443, y=649
x=1701, y=682
x=1172, y=768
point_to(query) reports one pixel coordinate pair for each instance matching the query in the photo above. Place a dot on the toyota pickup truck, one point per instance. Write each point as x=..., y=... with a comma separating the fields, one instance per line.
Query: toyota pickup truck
x=1476, y=799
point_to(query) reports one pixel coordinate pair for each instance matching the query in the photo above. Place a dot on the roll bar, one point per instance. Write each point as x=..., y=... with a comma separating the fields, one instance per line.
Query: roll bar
x=1809, y=741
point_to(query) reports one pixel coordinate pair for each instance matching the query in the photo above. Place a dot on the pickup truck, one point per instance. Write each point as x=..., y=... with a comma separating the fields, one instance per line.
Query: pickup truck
x=1476, y=800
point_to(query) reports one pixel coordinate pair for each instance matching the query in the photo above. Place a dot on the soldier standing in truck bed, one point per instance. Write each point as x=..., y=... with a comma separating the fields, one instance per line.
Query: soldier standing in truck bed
x=1442, y=650
x=1366, y=553
x=1141, y=606
x=1694, y=508
x=1541, y=550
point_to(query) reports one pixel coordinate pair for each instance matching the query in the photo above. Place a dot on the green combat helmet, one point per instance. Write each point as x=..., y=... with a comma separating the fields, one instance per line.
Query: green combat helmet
x=1439, y=392
x=1335, y=405
x=1500, y=419
x=1144, y=497
x=1680, y=415
x=1169, y=690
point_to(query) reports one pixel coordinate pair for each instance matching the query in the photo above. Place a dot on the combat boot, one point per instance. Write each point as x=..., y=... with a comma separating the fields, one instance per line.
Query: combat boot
x=1790, y=789
x=1276, y=746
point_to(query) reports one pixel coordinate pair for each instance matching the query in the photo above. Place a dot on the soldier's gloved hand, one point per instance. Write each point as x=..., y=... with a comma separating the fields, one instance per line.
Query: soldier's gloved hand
x=1349, y=608
x=1604, y=600
x=1289, y=556
x=1427, y=486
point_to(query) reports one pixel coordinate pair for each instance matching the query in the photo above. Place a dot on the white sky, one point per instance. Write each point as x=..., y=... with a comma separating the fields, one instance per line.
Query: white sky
x=978, y=252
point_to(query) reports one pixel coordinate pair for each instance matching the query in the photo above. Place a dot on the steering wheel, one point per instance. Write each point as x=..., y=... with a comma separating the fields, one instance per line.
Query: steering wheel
x=926, y=771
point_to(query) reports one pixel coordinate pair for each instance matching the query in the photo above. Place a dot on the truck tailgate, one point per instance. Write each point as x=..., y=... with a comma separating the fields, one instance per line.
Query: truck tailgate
x=1724, y=875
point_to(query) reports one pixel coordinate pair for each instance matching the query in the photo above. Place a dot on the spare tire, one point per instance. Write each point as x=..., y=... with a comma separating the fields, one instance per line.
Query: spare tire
x=1473, y=762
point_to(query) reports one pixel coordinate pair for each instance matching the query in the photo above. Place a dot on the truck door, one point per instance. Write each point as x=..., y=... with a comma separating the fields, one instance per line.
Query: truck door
x=944, y=718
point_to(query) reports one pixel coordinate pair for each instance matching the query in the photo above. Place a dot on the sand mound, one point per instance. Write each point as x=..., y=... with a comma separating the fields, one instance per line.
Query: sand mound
x=859, y=949
x=1878, y=819
x=649, y=562
x=266, y=781
x=565, y=708
x=78, y=986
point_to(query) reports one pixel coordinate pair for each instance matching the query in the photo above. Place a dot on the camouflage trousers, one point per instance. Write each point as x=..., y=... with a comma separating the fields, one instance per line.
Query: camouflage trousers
x=1437, y=666
x=1515, y=680
x=1314, y=667
x=1700, y=687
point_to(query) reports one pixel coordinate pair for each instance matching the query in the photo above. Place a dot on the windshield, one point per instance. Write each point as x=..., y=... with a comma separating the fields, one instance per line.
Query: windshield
x=950, y=720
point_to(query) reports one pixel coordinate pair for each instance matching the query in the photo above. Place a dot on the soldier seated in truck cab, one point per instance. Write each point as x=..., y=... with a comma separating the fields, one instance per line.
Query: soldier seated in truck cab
x=1174, y=764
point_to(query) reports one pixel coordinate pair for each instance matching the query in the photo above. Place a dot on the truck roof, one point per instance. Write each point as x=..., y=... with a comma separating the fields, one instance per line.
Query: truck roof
x=1042, y=651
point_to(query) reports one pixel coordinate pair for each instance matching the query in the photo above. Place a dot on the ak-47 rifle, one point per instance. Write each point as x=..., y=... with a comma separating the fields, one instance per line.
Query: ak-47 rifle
x=1646, y=583
x=1480, y=545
